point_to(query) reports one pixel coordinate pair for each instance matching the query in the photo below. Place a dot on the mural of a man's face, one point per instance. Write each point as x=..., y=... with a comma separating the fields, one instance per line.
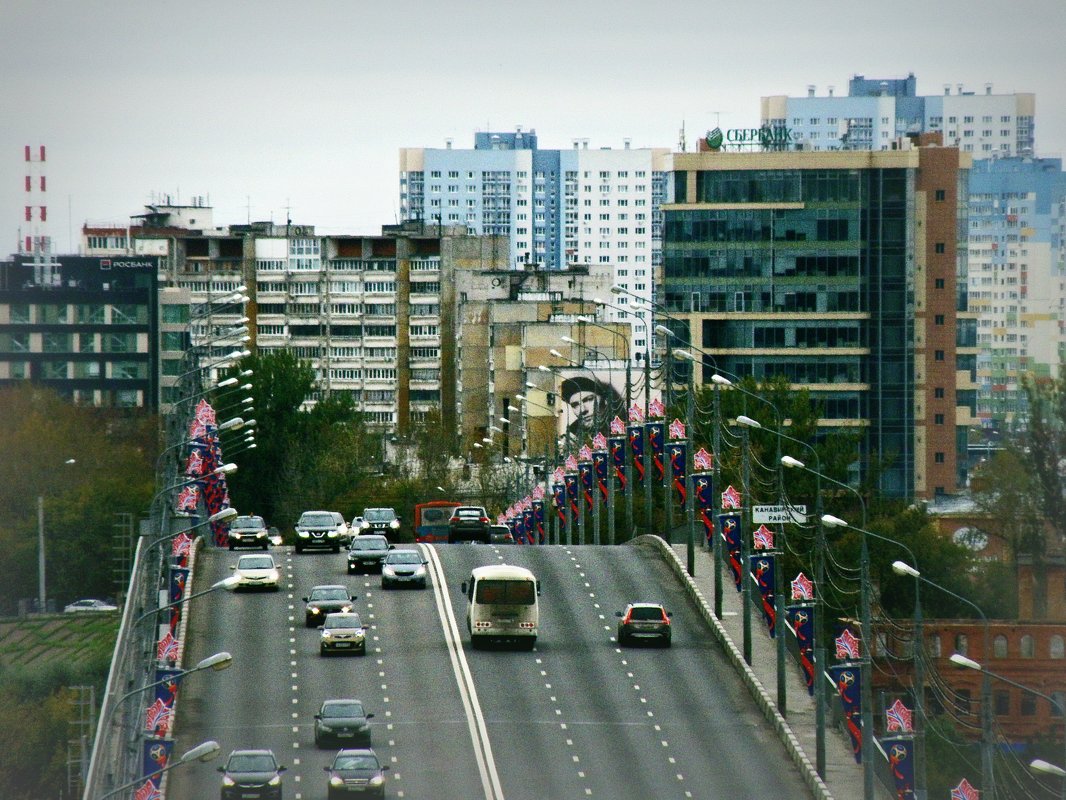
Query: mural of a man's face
x=583, y=406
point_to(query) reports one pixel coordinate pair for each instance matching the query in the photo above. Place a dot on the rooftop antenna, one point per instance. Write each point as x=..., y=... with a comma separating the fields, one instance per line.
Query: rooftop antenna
x=681, y=138
x=38, y=243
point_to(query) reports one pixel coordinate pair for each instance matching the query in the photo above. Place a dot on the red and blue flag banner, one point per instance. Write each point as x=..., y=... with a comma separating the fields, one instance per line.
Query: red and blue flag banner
x=179, y=577
x=599, y=441
x=180, y=547
x=167, y=681
x=636, y=446
x=802, y=588
x=731, y=498
x=676, y=429
x=617, y=426
x=964, y=791
x=762, y=538
x=167, y=649
x=599, y=466
x=584, y=454
x=900, y=752
x=156, y=755
x=571, y=463
x=559, y=495
x=205, y=414
x=847, y=646
x=703, y=486
x=188, y=499
x=584, y=470
x=729, y=525
x=678, y=452
x=656, y=409
x=655, y=445
x=702, y=460
x=848, y=680
x=157, y=718
x=801, y=618
x=195, y=463
x=528, y=535
x=636, y=414
x=147, y=791
x=617, y=447
x=538, y=520
x=899, y=718
x=763, y=567
x=572, y=496
x=538, y=492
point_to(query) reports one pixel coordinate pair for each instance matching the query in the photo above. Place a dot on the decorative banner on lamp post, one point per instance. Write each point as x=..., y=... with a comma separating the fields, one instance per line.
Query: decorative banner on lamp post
x=636, y=445
x=848, y=680
x=703, y=486
x=847, y=646
x=964, y=791
x=802, y=588
x=729, y=525
x=180, y=548
x=528, y=534
x=538, y=519
x=559, y=495
x=899, y=718
x=656, y=409
x=656, y=430
x=166, y=649
x=702, y=460
x=616, y=445
x=678, y=452
x=801, y=618
x=763, y=567
x=156, y=755
x=762, y=538
x=731, y=498
x=584, y=470
x=188, y=499
x=599, y=466
x=900, y=752
x=572, y=495
x=157, y=718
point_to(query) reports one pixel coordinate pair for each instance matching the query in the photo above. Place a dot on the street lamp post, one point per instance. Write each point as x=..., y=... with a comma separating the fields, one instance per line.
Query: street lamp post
x=1038, y=765
x=988, y=780
x=42, y=593
x=204, y=751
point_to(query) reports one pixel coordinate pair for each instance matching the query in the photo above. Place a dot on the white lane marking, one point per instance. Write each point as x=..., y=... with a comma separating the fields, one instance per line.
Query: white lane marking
x=490, y=780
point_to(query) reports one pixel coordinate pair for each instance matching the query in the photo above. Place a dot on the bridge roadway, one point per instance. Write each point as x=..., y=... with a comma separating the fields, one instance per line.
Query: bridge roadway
x=577, y=717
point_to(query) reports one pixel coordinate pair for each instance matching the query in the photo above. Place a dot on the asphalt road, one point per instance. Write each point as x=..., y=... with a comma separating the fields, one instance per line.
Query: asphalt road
x=577, y=717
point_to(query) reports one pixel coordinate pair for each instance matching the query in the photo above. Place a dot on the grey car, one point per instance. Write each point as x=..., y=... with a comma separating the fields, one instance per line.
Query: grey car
x=342, y=723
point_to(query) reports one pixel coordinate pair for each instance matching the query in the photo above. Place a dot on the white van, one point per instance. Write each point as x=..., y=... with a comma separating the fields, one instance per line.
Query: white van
x=502, y=605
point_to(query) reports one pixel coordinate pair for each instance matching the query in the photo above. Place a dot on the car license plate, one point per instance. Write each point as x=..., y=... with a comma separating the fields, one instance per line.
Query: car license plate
x=344, y=735
x=342, y=644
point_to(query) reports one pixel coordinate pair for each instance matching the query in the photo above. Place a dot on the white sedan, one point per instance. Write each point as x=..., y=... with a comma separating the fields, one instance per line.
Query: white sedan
x=256, y=572
x=89, y=605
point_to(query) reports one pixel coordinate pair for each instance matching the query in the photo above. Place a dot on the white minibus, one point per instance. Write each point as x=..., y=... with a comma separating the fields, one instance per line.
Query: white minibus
x=502, y=605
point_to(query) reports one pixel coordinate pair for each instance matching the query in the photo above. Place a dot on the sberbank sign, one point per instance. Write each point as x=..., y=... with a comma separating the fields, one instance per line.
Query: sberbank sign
x=771, y=137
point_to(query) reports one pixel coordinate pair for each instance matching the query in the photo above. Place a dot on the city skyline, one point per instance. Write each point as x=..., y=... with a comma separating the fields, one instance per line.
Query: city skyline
x=277, y=114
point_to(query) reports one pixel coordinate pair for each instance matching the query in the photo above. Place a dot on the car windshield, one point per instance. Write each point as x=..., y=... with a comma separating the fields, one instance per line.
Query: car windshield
x=646, y=612
x=257, y=762
x=404, y=557
x=248, y=522
x=346, y=621
x=498, y=592
x=323, y=520
x=344, y=709
x=256, y=562
x=329, y=593
x=355, y=762
x=379, y=514
x=369, y=544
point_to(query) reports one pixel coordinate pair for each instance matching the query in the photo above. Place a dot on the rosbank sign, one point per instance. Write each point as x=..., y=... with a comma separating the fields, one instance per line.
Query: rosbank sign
x=771, y=138
x=126, y=263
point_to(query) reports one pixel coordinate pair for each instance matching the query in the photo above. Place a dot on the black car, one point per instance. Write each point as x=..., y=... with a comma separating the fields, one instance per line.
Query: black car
x=325, y=600
x=341, y=722
x=356, y=773
x=469, y=524
x=321, y=529
x=381, y=520
x=251, y=774
x=366, y=553
x=403, y=568
x=249, y=531
x=644, y=621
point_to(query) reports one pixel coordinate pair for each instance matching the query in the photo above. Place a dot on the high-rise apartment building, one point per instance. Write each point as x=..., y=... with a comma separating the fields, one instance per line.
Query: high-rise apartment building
x=1016, y=279
x=590, y=207
x=875, y=113
x=844, y=272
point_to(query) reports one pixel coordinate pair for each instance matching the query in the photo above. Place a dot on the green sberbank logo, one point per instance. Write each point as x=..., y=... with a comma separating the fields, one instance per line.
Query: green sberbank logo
x=714, y=139
x=767, y=137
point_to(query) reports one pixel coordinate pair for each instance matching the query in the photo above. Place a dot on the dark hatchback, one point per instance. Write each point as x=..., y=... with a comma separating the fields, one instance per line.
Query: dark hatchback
x=469, y=524
x=644, y=621
x=251, y=774
x=342, y=722
x=356, y=773
x=366, y=553
x=326, y=600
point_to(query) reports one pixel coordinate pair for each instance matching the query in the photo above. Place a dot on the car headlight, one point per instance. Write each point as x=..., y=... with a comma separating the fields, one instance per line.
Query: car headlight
x=275, y=781
x=331, y=534
x=420, y=572
x=387, y=570
x=377, y=780
x=346, y=608
x=336, y=780
x=325, y=634
x=302, y=534
x=394, y=524
x=275, y=575
x=227, y=780
x=364, y=524
x=313, y=609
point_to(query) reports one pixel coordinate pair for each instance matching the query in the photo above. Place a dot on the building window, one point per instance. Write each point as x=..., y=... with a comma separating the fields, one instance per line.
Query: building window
x=940, y=195
x=1057, y=647
x=938, y=319
x=1028, y=705
x=939, y=283
x=939, y=457
x=1002, y=702
x=1060, y=703
x=938, y=392
x=934, y=646
x=938, y=355
x=938, y=419
x=999, y=646
x=962, y=644
x=939, y=247
x=1028, y=649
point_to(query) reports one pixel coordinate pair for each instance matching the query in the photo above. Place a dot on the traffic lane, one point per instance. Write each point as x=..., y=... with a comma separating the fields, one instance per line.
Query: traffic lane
x=518, y=695
x=244, y=705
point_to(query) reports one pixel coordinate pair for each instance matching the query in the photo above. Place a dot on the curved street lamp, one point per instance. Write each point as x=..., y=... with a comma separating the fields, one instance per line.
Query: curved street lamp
x=205, y=751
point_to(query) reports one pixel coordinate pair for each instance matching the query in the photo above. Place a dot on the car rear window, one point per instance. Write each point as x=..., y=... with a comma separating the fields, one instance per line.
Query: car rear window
x=645, y=612
x=469, y=512
x=496, y=592
x=431, y=515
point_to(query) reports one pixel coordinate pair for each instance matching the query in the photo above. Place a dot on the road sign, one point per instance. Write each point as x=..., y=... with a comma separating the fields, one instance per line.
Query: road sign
x=762, y=515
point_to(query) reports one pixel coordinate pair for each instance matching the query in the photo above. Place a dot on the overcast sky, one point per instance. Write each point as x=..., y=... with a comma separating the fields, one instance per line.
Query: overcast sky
x=265, y=105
